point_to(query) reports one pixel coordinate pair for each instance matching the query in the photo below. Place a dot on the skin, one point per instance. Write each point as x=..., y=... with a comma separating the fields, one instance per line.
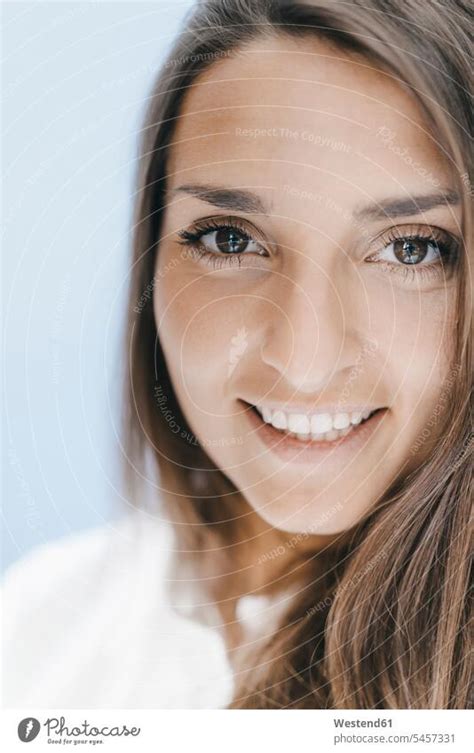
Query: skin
x=315, y=316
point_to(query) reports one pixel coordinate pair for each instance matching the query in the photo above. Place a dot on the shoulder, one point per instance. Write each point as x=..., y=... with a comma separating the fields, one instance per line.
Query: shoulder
x=88, y=624
x=78, y=563
x=44, y=567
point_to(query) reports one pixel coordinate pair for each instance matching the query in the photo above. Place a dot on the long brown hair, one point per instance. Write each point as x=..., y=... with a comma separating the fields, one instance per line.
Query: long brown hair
x=386, y=625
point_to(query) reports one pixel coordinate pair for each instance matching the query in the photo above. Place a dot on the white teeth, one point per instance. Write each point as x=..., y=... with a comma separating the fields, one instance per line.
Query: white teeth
x=341, y=421
x=299, y=423
x=321, y=423
x=320, y=426
x=279, y=420
x=267, y=415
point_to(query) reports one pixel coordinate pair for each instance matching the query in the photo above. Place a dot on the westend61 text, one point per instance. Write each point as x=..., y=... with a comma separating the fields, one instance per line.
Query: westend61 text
x=362, y=722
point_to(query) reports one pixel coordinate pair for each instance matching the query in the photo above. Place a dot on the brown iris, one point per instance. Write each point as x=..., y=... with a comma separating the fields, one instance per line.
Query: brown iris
x=231, y=240
x=410, y=251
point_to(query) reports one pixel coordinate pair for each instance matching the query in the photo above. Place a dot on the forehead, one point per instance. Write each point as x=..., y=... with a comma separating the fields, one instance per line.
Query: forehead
x=282, y=112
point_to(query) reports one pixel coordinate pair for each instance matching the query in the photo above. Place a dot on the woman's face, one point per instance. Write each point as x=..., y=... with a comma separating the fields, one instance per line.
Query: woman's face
x=306, y=267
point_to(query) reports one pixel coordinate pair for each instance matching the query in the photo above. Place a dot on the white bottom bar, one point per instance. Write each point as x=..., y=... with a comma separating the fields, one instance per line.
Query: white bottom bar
x=224, y=731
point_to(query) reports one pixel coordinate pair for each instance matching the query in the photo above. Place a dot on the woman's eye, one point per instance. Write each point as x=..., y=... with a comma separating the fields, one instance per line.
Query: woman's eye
x=229, y=240
x=411, y=251
x=417, y=256
x=221, y=243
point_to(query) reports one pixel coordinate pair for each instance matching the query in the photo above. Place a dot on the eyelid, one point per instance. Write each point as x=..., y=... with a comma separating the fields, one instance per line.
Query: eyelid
x=207, y=224
x=402, y=232
x=447, y=243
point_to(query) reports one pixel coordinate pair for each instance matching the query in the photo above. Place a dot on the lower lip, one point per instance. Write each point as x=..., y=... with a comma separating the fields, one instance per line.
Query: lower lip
x=291, y=449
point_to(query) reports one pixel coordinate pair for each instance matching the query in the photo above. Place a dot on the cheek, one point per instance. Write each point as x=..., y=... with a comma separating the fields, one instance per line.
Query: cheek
x=197, y=328
x=415, y=334
x=413, y=328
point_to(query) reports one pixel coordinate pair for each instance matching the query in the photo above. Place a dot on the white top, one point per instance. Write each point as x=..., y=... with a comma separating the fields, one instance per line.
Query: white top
x=88, y=624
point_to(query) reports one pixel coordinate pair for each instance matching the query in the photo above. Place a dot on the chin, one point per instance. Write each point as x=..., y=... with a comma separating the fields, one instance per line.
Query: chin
x=317, y=518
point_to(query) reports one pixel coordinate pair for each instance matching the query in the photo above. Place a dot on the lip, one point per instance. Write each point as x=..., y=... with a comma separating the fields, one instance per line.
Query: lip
x=313, y=409
x=291, y=449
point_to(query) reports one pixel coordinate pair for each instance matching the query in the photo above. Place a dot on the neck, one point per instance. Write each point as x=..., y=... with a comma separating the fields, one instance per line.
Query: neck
x=267, y=558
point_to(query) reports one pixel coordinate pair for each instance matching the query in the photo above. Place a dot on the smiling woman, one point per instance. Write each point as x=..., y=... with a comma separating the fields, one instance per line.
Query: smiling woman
x=316, y=176
x=299, y=352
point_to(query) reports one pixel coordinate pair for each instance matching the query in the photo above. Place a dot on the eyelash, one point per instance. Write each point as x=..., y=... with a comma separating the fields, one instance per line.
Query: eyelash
x=444, y=242
x=191, y=239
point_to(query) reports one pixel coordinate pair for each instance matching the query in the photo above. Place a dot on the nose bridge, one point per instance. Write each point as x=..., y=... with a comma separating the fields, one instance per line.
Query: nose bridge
x=310, y=334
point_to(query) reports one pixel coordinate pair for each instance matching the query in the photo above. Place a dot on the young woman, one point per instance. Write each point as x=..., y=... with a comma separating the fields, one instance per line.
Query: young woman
x=300, y=368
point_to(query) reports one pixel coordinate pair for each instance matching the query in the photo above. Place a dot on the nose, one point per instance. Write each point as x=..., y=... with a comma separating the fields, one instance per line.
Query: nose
x=311, y=334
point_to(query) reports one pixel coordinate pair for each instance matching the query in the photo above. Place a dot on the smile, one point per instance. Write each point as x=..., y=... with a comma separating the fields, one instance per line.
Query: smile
x=326, y=427
x=313, y=437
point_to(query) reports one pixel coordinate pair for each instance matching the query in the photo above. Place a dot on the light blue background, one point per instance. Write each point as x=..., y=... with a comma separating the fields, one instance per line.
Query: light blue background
x=75, y=81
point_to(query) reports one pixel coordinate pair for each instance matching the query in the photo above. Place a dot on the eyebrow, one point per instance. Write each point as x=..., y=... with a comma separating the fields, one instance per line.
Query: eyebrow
x=240, y=200
x=406, y=207
x=236, y=199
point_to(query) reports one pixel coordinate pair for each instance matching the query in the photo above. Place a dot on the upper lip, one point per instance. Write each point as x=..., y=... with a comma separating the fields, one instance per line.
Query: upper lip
x=318, y=408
